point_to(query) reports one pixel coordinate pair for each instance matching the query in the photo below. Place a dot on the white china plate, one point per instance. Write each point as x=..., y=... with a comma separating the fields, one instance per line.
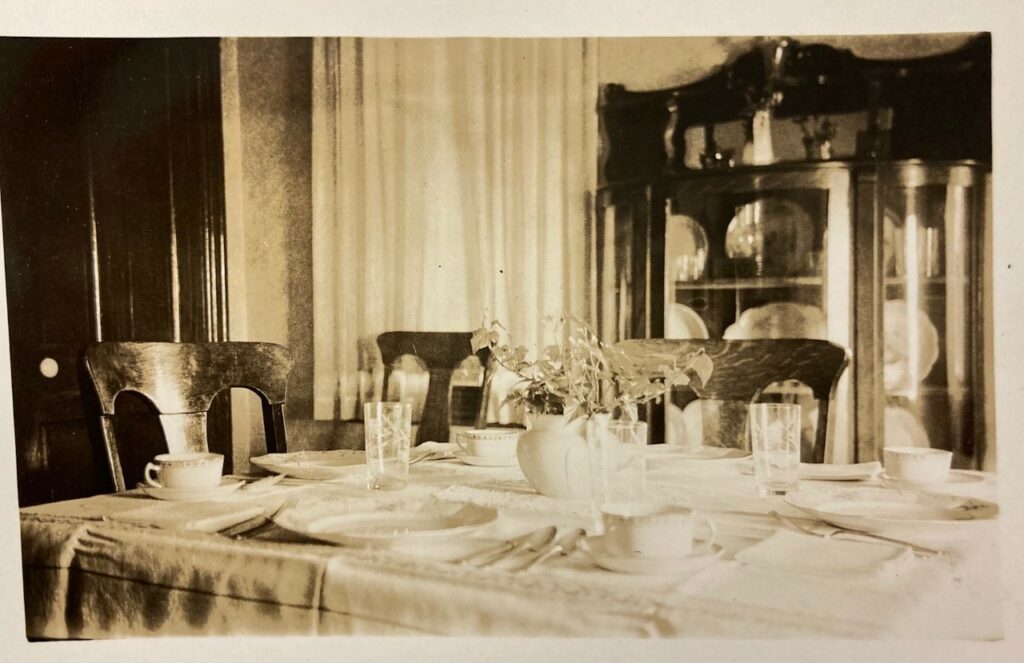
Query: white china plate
x=226, y=487
x=894, y=512
x=900, y=374
x=314, y=465
x=686, y=247
x=487, y=461
x=955, y=476
x=650, y=565
x=433, y=522
x=682, y=322
x=902, y=428
x=826, y=472
x=778, y=320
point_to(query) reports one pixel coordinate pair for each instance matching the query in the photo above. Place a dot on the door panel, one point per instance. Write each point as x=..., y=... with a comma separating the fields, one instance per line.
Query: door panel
x=111, y=187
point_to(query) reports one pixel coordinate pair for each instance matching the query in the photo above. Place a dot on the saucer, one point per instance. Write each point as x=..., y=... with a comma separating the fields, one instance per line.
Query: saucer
x=955, y=476
x=487, y=461
x=226, y=487
x=650, y=566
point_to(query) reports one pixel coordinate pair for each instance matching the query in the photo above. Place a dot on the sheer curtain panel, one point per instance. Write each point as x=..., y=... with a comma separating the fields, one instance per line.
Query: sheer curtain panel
x=450, y=181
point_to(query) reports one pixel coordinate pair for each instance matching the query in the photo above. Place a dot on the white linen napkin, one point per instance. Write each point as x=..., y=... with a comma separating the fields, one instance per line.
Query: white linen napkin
x=136, y=508
x=804, y=553
x=827, y=471
x=442, y=449
x=196, y=516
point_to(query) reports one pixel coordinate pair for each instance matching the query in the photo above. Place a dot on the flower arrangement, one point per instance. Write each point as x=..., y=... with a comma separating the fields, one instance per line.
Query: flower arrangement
x=582, y=376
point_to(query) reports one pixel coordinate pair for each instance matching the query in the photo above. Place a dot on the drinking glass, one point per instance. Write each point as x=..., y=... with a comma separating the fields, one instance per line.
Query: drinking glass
x=617, y=465
x=775, y=440
x=626, y=472
x=388, y=428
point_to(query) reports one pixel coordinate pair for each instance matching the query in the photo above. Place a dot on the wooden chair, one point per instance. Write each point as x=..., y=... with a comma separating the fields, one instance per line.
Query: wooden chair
x=744, y=369
x=180, y=380
x=442, y=352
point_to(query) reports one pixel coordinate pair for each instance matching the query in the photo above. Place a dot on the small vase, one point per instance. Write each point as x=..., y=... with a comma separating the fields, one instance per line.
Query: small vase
x=553, y=456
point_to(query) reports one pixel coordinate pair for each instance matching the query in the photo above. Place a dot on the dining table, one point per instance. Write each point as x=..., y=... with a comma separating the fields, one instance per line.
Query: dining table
x=127, y=565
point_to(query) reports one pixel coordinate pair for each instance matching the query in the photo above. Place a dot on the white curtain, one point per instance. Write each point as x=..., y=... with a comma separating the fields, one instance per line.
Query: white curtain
x=450, y=183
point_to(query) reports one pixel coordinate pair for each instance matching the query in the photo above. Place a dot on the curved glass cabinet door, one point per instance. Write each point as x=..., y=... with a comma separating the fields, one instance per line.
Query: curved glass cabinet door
x=934, y=306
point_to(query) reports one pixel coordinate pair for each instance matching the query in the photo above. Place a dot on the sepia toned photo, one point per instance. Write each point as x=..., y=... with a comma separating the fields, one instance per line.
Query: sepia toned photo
x=608, y=337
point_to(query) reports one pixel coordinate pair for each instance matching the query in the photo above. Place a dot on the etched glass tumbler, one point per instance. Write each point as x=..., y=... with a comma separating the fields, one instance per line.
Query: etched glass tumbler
x=388, y=428
x=775, y=441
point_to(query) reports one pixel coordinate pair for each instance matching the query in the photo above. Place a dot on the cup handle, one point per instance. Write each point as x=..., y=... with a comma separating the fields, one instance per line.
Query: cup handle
x=152, y=467
x=705, y=544
x=461, y=445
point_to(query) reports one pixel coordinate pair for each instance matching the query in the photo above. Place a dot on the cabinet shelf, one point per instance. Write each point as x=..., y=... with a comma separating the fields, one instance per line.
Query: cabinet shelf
x=899, y=281
x=752, y=284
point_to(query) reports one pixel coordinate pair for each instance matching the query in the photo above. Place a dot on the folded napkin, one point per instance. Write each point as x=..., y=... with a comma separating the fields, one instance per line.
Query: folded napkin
x=442, y=449
x=196, y=516
x=828, y=471
x=804, y=553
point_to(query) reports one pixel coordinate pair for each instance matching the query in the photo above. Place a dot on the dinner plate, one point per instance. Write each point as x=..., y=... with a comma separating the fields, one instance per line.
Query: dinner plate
x=685, y=426
x=682, y=322
x=903, y=429
x=778, y=320
x=649, y=565
x=906, y=330
x=431, y=522
x=315, y=465
x=828, y=472
x=686, y=247
x=487, y=461
x=895, y=512
x=226, y=487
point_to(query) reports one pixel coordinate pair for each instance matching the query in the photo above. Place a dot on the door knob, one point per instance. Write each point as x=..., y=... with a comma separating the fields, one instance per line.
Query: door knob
x=49, y=367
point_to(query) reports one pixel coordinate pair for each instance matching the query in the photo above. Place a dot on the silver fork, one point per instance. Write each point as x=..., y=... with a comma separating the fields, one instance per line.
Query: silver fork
x=834, y=529
x=260, y=523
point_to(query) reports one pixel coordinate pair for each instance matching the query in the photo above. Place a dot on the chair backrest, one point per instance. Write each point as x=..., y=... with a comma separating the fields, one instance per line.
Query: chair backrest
x=180, y=380
x=744, y=369
x=442, y=352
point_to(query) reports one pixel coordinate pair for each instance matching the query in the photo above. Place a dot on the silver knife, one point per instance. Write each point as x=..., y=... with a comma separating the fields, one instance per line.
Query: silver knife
x=528, y=541
x=495, y=549
x=532, y=542
x=564, y=546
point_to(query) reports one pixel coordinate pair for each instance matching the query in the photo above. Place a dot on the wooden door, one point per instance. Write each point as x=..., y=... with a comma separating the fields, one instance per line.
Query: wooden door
x=111, y=186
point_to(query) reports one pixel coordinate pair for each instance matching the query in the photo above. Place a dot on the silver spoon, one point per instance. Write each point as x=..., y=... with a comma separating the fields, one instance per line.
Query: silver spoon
x=564, y=546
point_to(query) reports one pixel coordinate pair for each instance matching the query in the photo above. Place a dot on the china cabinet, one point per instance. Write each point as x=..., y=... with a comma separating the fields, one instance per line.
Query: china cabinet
x=846, y=218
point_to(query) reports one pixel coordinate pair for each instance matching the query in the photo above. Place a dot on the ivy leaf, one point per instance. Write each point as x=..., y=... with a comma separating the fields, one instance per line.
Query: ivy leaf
x=481, y=339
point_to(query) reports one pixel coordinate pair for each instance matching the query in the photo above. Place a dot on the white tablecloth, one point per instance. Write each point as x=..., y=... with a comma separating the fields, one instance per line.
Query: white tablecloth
x=115, y=566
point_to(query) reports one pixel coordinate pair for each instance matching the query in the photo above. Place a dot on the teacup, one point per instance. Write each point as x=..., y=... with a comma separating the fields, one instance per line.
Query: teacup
x=654, y=529
x=185, y=470
x=489, y=442
x=917, y=464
